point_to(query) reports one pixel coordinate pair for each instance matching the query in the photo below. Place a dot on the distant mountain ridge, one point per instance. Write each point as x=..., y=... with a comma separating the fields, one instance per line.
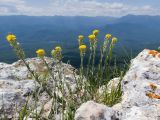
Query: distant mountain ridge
x=135, y=32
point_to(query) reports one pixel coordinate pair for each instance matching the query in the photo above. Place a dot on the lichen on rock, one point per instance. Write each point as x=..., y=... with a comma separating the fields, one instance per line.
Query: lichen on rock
x=140, y=99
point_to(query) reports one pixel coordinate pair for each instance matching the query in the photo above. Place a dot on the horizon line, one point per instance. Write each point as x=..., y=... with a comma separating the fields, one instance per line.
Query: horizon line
x=78, y=16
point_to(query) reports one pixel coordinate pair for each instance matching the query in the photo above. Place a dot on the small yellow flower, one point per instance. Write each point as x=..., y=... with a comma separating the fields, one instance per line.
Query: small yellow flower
x=91, y=37
x=11, y=37
x=108, y=36
x=56, y=53
x=114, y=40
x=95, y=32
x=40, y=52
x=80, y=37
x=82, y=48
x=58, y=49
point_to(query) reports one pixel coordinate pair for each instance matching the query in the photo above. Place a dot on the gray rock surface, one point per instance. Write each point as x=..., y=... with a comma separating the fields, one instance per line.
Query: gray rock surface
x=94, y=111
x=140, y=100
x=12, y=95
x=16, y=84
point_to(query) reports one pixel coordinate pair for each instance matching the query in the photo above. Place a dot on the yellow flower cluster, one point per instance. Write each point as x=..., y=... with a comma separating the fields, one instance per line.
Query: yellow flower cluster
x=91, y=37
x=80, y=37
x=93, y=40
x=95, y=32
x=40, y=52
x=58, y=49
x=82, y=48
x=108, y=36
x=56, y=53
x=11, y=37
x=114, y=40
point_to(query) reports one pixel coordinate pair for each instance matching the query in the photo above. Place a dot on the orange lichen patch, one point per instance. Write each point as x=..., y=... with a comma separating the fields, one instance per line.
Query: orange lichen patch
x=158, y=55
x=153, y=95
x=153, y=86
x=153, y=52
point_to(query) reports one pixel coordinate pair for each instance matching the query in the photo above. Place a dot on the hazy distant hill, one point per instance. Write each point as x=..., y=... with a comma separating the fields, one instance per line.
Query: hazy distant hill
x=134, y=32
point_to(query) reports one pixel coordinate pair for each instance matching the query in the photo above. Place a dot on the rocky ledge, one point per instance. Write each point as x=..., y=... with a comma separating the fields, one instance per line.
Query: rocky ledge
x=16, y=83
x=140, y=100
x=141, y=93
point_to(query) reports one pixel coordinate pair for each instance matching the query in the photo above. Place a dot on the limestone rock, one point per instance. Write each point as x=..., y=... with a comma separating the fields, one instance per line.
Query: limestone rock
x=141, y=92
x=16, y=84
x=94, y=111
x=144, y=71
x=12, y=95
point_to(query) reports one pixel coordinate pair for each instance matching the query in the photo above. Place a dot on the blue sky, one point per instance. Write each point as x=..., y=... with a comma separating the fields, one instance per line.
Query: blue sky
x=79, y=7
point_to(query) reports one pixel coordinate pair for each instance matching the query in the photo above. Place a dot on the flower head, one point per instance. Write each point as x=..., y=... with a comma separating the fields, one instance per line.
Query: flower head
x=95, y=32
x=91, y=37
x=40, y=53
x=80, y=37
x=11, y=38
x=58, y=49
x=108, y=36
x=82, y=48
x=114, y=40
x=56, y=53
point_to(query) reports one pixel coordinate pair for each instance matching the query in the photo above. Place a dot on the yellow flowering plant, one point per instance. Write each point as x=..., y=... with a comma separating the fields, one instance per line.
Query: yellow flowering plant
x=82, y=49
x=93, y=41
x=21, y=55
x=95, y=32
x=88, y=81
x=11, y=37
x=94, y=75
x=106, y=41
x=40, y=52
x=57, y=53
x=58, y=49
x=108, y=36
x=114, y=40
x=91, y=37
x=80, y=39
x=93, y=46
